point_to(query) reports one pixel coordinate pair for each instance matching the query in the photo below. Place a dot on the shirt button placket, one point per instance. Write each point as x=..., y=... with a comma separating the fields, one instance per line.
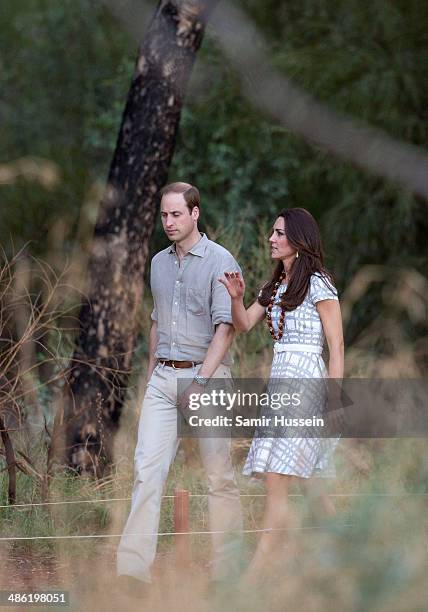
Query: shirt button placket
x=175, y=316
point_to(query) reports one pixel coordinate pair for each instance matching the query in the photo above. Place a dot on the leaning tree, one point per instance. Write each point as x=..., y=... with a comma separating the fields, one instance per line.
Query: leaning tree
x=101, y=363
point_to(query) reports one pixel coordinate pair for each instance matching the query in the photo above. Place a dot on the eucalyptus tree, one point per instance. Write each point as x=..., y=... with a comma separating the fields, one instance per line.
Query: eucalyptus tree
x=101, y=364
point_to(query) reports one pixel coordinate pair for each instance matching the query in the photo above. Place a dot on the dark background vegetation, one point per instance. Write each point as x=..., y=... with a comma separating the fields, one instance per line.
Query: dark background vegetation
x=65, y=71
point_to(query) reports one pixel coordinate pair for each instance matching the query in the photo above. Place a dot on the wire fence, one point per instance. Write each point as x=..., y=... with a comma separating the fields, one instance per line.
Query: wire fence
x=127, y=499
x=165, y=533
x=181, y=533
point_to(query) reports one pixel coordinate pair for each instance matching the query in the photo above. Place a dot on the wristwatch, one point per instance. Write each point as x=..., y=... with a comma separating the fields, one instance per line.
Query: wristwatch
x=200, y=380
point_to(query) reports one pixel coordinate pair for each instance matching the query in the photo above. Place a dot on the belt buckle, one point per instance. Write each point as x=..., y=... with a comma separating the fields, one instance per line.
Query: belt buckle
x=172, y=364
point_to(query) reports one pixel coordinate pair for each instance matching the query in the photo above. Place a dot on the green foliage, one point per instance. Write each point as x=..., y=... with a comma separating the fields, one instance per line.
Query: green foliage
x=66, y=68
x=60, y=62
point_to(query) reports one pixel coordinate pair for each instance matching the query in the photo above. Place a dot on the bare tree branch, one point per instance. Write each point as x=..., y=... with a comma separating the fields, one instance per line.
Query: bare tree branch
x=349, y=139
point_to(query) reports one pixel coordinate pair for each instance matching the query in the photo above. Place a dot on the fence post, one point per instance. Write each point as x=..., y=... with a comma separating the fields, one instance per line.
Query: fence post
x=181, y=526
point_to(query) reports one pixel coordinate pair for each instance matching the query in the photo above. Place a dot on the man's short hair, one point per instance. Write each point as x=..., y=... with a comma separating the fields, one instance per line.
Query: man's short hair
x=190, y=193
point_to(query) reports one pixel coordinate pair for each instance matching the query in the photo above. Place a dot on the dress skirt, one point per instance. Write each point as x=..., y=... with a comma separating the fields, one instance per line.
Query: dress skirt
x=283, y=453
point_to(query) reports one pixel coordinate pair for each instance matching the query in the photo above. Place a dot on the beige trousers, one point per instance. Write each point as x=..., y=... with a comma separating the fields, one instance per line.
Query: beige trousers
x=156, y=448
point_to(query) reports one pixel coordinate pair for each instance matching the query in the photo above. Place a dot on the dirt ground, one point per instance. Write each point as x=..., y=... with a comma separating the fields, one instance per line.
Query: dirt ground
x=91, y=582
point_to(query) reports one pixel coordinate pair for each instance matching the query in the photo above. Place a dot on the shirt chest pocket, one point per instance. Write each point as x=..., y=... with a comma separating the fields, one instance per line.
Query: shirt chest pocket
x=196, y=302
x=197, y=312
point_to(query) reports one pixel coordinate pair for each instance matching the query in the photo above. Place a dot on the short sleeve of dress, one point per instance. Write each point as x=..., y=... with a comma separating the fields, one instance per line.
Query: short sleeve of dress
x=322, y=289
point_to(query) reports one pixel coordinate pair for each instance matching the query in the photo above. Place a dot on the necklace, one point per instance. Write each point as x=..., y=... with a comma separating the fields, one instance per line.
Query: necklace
x=278, y=336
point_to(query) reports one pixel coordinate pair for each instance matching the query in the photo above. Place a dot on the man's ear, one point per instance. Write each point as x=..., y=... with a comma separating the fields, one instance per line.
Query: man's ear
x=195, y=213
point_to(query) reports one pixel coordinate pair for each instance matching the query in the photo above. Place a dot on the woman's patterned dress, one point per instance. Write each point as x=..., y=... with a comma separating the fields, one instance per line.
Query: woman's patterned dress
x=297, y=365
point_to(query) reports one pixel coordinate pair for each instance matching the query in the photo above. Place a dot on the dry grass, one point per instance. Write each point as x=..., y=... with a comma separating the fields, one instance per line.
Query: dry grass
x=376, y=564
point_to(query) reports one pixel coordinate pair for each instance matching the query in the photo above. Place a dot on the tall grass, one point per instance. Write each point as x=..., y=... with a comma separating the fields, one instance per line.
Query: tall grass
x=371, y=556
x=375, y=563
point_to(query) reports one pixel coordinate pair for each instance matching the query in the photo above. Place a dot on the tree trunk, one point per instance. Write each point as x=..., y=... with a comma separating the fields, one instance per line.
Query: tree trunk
x=101, y=362
x=10, y=461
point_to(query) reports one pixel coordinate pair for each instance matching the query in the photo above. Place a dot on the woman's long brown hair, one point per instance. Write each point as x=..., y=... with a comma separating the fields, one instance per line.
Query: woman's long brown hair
x=303, y=234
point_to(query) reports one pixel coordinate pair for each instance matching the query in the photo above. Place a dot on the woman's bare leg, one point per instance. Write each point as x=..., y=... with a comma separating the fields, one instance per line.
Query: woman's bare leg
x=276, y=518
x=315, y=491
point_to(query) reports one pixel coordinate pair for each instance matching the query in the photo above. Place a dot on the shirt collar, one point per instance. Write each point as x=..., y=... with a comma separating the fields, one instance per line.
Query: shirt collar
x=197, y=249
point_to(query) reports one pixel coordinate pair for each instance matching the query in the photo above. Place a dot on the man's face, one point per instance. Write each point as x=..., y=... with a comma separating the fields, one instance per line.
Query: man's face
x=178, y=222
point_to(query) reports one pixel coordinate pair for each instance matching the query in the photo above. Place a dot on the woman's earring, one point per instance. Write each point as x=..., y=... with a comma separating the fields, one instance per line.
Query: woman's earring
x=297, y=254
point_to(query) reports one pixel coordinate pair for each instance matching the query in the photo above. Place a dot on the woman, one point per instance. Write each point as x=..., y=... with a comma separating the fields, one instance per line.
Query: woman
x=301, y=307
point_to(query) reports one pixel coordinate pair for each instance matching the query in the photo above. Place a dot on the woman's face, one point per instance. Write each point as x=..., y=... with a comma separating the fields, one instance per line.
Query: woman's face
x=280, y=247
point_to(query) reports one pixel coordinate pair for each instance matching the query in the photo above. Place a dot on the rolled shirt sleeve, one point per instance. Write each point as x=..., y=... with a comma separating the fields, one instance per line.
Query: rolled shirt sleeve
x=221, y=306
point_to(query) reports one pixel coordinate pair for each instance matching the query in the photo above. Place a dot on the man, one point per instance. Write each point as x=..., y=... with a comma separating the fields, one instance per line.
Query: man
x=190, y=336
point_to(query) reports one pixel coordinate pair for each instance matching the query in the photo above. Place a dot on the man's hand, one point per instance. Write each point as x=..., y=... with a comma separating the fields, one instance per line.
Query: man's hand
x=183, y=400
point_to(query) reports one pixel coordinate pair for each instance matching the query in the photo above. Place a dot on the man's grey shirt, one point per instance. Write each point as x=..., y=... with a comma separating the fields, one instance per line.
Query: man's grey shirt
x=189, y=300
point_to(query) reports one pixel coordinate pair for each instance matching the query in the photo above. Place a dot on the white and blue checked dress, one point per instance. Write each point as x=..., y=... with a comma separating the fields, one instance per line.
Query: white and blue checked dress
x=297, y=356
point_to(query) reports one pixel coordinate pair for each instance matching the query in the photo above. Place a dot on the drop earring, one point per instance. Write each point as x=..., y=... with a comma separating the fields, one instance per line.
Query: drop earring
x=297, y=254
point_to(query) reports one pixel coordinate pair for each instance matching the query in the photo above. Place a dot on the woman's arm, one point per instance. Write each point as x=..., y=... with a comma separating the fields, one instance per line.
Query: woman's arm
x=331, y=319
x=243, y=319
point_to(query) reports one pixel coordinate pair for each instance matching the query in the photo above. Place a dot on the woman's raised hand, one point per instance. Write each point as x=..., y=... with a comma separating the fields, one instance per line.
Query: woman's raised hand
x=234, y=283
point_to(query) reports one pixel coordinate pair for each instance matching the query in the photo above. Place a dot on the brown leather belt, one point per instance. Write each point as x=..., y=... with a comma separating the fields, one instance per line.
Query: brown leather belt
x=178, y=364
